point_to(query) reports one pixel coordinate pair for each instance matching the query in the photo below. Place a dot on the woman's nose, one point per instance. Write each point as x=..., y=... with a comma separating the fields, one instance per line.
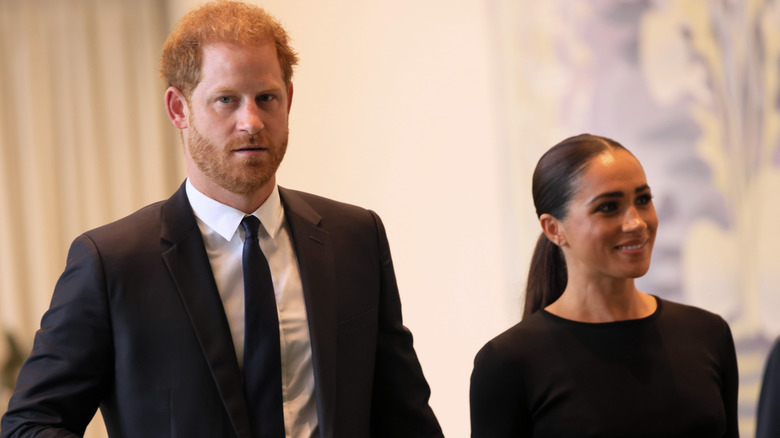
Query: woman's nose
x=633, y=220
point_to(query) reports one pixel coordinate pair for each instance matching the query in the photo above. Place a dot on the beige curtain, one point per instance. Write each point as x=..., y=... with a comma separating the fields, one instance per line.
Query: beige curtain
x=84, y=139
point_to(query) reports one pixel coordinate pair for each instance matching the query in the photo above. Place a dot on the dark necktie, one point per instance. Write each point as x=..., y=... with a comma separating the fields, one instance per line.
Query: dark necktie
x=262, y=357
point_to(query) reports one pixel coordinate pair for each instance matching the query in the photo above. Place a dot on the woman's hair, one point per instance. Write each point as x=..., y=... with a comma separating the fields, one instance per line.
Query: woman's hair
x=221, y=21
x=555, y=181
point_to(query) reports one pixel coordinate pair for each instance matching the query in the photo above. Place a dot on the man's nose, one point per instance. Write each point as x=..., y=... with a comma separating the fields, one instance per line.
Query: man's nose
x=250, y=119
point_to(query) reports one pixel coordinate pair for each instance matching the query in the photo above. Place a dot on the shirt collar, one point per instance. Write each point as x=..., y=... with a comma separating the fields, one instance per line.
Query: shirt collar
x=225, y=220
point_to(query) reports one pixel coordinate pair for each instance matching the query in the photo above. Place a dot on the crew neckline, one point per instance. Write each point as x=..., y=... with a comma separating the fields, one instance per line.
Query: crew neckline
x=649, y=317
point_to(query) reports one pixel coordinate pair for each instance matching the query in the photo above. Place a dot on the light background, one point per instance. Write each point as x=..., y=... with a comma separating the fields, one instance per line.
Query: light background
x=433, y=114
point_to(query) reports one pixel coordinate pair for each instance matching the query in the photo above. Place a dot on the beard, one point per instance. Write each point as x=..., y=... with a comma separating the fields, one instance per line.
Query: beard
x=236, y=174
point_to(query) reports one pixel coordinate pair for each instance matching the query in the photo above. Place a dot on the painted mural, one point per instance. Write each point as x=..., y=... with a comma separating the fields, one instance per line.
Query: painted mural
x=692, y=87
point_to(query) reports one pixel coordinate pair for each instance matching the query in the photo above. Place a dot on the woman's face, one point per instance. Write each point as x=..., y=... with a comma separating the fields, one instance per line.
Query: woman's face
x=611, y=223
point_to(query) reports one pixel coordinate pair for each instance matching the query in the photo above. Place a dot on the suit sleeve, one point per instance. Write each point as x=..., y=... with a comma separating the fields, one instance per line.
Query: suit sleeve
x=768, y=422
x=62, y=382
x=400, y=399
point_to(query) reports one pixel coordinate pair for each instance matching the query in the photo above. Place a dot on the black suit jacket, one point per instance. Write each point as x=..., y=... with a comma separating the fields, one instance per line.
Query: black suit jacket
x=767, y=420
x=136, y=326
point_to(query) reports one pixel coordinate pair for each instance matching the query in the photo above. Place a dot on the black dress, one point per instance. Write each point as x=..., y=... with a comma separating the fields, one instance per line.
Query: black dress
x=671, y=374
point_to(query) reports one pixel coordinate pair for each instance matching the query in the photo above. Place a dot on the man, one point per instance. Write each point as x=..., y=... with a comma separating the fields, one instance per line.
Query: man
x=150, y=318
x=767, y=421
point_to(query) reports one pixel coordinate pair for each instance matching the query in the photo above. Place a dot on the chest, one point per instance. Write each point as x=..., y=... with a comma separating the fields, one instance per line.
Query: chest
x=618, y=384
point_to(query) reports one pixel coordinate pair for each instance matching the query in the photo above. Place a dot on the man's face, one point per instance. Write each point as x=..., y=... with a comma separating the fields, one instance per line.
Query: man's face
x=238, y=120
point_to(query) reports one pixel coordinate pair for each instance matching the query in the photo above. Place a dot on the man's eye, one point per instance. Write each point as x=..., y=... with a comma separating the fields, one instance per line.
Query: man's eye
x=265, y=98
x=225, y=99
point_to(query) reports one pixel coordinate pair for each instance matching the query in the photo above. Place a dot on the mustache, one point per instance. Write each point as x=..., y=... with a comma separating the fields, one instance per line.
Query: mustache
x=255, y=140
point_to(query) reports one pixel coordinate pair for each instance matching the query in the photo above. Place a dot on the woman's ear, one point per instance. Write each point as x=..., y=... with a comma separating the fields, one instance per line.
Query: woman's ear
x=176, y=105
x=553, y=229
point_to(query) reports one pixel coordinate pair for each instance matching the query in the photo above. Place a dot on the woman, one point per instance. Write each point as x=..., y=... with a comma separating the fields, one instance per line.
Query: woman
x=594, y=356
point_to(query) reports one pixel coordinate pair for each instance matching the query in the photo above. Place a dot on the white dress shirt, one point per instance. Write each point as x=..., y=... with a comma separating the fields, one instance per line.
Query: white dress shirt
x=223, y=236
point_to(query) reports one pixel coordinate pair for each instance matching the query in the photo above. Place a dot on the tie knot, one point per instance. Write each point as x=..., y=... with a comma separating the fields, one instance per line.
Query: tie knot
x=251, y=226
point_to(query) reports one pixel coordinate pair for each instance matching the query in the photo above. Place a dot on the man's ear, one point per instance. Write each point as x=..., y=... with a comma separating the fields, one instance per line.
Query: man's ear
x=177, y=107
x=289, y=97
x=553, y=229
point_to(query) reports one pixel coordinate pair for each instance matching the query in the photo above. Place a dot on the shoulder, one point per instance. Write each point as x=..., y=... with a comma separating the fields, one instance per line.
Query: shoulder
x=175, y=213
x=689, y=316
x=169, y=219
x=143, y=217
x=142, y=224
x=148, y=230
x=321, y=204
x=774, y=353
x=506, y=364
x=332, y=215
x=528, y=337
x=689, y=325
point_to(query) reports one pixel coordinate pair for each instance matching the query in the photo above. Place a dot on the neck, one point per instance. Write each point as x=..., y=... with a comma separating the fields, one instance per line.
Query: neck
x=609, y=301
x=246, y=202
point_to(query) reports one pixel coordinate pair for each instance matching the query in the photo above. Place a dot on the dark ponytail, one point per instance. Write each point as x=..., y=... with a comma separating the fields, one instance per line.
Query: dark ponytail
x=554, y=184
x=547, y=276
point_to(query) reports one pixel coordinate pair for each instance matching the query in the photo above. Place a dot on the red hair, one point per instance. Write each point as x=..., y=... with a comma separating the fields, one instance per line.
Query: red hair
x=220, y=21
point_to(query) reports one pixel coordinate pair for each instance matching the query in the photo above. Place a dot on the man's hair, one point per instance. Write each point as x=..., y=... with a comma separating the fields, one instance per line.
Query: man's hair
x=220, y=21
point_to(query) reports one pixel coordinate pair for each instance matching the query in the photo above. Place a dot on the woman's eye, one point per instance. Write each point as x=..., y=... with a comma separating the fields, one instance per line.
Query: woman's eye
x=644, y=199
x=607, y=207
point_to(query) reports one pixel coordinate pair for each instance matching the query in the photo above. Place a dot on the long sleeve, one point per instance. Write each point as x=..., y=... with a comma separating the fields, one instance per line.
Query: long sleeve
x=400, y=400
x=497, y=409
x=61, y=384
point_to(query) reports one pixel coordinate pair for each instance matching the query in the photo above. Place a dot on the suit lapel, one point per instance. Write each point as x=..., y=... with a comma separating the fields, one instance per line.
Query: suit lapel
x=315, y=256
x=189, y=266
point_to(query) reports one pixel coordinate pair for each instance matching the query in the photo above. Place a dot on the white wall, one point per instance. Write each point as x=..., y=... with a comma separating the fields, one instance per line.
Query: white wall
x=394, y=110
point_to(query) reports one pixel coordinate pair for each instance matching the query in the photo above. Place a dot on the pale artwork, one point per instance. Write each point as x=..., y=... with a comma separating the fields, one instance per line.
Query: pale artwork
x=692, y=88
